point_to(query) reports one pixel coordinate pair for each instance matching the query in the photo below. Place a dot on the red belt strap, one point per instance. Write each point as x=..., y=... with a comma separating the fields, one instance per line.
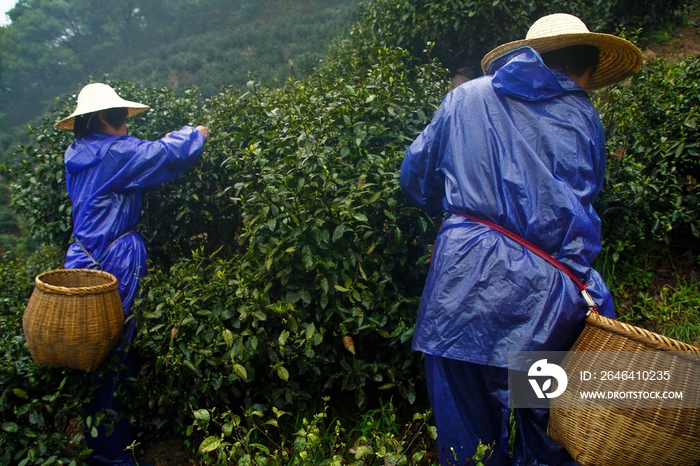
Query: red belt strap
x=592, y=306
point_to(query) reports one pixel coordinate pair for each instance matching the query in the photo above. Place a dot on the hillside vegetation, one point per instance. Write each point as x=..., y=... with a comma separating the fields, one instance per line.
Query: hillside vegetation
x=53, y=47
x=286, y=266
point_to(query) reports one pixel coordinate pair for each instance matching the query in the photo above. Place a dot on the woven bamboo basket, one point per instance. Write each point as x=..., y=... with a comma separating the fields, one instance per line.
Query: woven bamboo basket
x=73, y=319
x=632, y=435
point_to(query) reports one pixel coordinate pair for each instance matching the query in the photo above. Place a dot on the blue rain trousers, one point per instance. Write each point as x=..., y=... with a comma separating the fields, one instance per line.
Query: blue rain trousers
x=483, y=415
x=521, y=147
x=105, y=177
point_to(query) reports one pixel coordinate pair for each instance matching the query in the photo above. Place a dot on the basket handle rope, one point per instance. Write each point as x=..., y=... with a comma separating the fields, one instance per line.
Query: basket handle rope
x=592, y=307
x=96, y=262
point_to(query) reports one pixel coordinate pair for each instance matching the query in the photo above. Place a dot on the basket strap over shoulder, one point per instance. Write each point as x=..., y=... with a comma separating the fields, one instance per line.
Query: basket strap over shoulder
x=592, y=307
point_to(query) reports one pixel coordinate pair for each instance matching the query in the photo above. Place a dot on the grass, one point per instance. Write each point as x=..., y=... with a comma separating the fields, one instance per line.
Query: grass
x=674, y=310
x=658, y=289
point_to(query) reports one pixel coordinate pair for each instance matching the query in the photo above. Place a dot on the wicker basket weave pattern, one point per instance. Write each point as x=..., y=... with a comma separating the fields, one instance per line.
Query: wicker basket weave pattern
x=73, y=319
x=601, y=436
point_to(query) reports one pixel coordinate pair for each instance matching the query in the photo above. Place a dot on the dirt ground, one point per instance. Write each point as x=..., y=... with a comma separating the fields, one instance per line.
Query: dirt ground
x=685, y=42
x=172, y=450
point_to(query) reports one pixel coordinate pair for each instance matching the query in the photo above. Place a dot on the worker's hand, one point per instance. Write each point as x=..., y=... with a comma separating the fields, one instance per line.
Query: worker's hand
x=203, y=130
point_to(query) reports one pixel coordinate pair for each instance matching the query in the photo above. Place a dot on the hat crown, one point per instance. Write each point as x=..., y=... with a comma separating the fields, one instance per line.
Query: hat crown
x=97, y=93
x=556, y=24
x=97, y=96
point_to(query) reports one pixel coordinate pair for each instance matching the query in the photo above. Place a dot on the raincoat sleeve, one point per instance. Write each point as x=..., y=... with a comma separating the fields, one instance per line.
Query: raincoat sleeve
x=148, y=163
x=422, y=182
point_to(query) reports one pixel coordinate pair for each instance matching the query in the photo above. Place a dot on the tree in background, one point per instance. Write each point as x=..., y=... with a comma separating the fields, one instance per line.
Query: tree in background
x=53, y=46
x=36, y=63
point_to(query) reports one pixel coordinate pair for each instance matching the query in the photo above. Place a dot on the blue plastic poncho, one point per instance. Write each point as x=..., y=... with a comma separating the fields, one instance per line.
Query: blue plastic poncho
x=105, y=176
x=523, y=148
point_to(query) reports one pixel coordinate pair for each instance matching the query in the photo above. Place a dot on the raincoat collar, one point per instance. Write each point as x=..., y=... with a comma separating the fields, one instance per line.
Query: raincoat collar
x=87, y=151
x=522, y=74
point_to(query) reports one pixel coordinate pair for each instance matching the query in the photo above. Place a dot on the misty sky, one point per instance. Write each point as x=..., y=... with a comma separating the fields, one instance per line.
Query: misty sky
x=5, y=5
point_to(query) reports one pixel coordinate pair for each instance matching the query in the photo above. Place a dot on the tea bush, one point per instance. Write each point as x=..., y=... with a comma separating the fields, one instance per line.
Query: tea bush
x=41, y=406
x=463, y=31
x=281, y=438
x=286, y=263
x=41, y=415
x=307, y=263
x=324, y=289
x=651, y=190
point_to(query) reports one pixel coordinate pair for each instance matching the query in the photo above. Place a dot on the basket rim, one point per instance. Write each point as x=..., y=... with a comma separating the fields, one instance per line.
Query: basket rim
x=40, y=284
x=644, y=336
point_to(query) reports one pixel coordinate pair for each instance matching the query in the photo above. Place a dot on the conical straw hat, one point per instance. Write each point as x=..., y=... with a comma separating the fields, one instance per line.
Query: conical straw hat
x=619, y=58
x=95, y=97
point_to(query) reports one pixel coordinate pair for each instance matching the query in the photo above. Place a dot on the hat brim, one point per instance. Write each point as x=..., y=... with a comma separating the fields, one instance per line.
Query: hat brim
x=68, y=123
x=619, y=58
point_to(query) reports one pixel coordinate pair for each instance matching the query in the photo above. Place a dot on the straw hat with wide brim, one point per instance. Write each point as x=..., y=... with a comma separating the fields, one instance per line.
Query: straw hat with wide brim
x=619, y=58
x=95, y=97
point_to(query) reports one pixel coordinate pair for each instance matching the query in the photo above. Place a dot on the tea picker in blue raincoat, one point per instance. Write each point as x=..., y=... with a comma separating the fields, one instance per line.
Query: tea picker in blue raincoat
x=522, y=148
x=106, y=174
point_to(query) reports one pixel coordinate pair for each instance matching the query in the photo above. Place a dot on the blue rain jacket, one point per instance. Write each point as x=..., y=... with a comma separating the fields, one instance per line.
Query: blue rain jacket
x=522, y=147
x=105, y=176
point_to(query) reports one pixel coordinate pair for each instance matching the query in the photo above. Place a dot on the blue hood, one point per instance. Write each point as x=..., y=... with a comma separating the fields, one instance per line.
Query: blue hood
x=522, y=74
x=85, y=152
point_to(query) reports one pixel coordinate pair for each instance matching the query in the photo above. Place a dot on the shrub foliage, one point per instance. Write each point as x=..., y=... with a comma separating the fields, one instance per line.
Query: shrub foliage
x=651, y=190
x=286, y=264
x=40, y=408
x=322, y=293
x=463, y=31
x=304, y=275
